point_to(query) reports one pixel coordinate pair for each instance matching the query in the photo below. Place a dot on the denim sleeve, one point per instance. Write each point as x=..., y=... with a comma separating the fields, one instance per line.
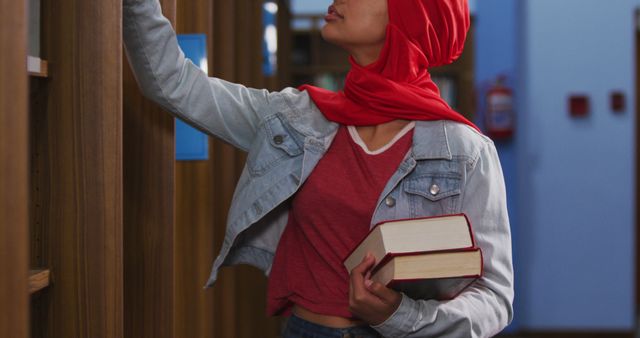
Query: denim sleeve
x=485, y=307
x=227, y=110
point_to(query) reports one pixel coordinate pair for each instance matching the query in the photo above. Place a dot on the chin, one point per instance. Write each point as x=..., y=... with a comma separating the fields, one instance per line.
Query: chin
x=330, y=35
x=325, y=32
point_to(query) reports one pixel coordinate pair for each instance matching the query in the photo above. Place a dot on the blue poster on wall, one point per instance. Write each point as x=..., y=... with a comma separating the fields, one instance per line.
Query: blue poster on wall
x=191, y=144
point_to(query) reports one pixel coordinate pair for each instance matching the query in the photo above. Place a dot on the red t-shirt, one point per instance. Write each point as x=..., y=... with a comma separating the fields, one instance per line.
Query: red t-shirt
x=329, y=215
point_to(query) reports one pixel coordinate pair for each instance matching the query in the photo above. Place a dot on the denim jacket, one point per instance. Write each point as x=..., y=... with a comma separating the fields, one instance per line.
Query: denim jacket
x=286, y=135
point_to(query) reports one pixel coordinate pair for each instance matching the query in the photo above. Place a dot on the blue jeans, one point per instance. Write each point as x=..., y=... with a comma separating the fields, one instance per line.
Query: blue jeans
x=297, y=327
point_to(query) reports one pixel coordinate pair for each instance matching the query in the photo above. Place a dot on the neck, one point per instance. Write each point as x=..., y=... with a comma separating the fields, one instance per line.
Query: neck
x=367, y=55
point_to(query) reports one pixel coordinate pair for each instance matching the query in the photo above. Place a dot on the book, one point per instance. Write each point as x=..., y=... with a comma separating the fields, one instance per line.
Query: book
x=425, y=234
x=435, y=275
x=428, y=257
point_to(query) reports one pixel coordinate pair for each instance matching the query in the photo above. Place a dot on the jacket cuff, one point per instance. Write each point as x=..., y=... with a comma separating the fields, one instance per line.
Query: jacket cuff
x=401, y=322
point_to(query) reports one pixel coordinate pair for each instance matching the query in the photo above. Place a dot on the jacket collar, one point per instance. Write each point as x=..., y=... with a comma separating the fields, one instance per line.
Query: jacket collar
x=430, y=141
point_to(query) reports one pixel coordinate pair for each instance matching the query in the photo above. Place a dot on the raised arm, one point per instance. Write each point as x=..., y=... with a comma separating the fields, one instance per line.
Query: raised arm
x=227, y=110
x=485, y=307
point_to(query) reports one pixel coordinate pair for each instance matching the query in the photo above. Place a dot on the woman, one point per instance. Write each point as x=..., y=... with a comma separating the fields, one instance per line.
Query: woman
x=323, y=167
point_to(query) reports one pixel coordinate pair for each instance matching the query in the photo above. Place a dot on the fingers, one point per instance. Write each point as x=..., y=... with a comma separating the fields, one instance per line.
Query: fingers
x=385, y=294
x=358, y=273
x=368, y=300
x=367, y=263
x=361, y=274
x=358, y=292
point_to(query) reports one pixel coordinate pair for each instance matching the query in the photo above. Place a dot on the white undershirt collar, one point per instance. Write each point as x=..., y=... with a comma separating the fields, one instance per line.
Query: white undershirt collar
x=356, y=138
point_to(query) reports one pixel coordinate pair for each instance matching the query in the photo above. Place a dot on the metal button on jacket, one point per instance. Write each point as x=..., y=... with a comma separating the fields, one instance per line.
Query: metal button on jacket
x=434, y=190
x=390, y=201
x=278, y=139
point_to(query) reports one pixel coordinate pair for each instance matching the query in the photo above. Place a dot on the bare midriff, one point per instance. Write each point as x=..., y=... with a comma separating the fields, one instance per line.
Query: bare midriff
x=325, y=320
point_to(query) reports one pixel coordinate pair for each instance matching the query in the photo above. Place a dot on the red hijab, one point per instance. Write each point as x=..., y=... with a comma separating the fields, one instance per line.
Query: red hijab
x=420, y=34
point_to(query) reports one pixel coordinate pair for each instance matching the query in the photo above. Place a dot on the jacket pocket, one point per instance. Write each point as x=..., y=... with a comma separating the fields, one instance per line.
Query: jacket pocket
x=433, y=193
x=274, y=143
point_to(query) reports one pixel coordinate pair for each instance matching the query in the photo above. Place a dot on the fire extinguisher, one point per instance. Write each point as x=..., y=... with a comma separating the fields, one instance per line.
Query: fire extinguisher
x=500, y=115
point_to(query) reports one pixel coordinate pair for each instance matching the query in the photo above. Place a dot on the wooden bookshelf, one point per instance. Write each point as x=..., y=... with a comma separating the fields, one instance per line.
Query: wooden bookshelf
x=75, y=172
x=461, y=72
x=312, y=55
x=93, y=242
x=14, y=179
x=38, y=280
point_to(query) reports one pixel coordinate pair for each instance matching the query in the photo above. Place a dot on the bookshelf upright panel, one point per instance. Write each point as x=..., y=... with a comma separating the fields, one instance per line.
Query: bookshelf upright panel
x=149, y=217
x=76, y=172
x=14, y=221
x=195, y=207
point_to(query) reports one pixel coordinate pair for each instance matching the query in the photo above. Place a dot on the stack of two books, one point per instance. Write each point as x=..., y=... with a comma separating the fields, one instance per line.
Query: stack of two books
x=426, y=258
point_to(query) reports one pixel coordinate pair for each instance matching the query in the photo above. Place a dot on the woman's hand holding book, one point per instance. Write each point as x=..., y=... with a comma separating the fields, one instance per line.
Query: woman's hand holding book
x=369, y=300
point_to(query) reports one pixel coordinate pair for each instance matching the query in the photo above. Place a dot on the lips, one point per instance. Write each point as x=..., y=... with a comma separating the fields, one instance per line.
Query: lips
x=332, y=11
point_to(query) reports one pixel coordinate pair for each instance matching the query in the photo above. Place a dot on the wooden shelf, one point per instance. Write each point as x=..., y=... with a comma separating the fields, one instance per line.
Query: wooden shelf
x=37, y=67
x=38, y=280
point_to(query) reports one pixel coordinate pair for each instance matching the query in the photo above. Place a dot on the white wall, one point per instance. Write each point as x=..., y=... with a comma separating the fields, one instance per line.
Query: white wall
x=576, y=176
